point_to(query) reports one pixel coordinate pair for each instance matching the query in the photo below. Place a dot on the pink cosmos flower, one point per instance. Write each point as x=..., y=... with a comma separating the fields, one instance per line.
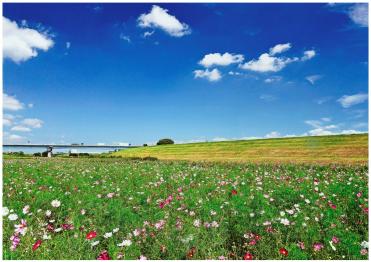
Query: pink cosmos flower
x=359, y=194
x=317, y=246
x=179, y=189
x=335, y=240
x=15, y=241
x=104, y=255
x=301, y=245
x=21, y=228
x=364, y=251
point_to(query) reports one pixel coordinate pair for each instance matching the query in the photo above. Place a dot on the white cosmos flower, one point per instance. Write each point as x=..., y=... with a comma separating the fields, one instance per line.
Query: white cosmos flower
x=307, y=201
x=364, y=244
x=282, y=213
x=197, y=223
x=56, y=203
x=26, y=209
x=107, y=235
x=12, y=217
x=115, y=230
x=95, y=243
x=285, y=221
x=48, y=213
x=125, y=243
x=5, y=211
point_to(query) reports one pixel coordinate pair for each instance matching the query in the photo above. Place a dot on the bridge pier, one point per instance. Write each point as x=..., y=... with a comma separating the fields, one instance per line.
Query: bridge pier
x=49, y=150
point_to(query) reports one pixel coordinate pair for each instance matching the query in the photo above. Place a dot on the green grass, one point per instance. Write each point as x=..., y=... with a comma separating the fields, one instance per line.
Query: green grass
x=319, y=203
x=319, y=149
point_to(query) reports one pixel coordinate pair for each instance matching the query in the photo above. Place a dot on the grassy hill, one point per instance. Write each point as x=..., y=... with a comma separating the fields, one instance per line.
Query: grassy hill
x=347, y=149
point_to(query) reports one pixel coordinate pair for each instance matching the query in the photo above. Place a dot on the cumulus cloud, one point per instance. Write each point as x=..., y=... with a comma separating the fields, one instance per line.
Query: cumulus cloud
x=280, y=48
x=21, y=129
x=273, y=134
x=348, y=101
x=11, y=103
x=12, y=138
x=21, y=43
x=268, y=63
x=148, y=34
x=309, y=54
x=32, y=122
x=218, y=59
x=313, y=78
x=359, y=14
x=213, y=75
x=160, y=18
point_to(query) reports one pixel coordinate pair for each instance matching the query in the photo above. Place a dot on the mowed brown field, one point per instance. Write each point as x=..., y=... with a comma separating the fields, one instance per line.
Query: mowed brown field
x=345, y=149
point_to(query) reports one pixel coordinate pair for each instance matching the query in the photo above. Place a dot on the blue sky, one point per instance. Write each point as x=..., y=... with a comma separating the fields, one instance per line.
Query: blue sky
x=111, y=73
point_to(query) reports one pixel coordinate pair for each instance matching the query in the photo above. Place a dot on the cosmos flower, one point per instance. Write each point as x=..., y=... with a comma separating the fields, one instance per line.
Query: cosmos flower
x=125, y=243
x=104, y=256
x=56, y=203
x=15, y=242
x=283, y=251
x=48, y=213
x=91, y=235
x=21, y=228
x=5, y=211
x=13, y=217
x=317, y=246
x=36, y=245
x=107, y=235
x=142, y=257
x=26, y=209
x=93, y=244
x=197, y=223
x=248, y=256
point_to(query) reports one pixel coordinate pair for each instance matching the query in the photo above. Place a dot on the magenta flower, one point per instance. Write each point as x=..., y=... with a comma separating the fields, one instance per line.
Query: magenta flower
x=317, y=246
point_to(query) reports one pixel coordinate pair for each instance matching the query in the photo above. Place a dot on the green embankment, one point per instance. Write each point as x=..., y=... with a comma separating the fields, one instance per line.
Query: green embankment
x=347, y=149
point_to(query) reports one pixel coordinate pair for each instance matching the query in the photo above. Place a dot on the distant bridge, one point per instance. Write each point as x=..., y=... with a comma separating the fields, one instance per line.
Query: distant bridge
x=49, y=147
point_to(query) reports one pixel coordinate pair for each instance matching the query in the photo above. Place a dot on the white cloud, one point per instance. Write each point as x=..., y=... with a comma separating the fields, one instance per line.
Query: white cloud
x=32, y=122
x=160, y=18
x=220, y=139
x=273, y=79
x=8, y=119
x=280, y=48
x=233, y=73
x=20, y=43
x=309, y=54
x=125, y=38
x=359, y=14
x=68, y=45
x=348, y=101
x=148, y=34
x=326, y=119
x=273, y=134
x=11, y=103
x=221, y=60
x=320, y=132
x=268, y=63
x=21, y=129
x=322, y=100
x=313, y=78
x=30, y=105
x=213, y=75
x=12, y=138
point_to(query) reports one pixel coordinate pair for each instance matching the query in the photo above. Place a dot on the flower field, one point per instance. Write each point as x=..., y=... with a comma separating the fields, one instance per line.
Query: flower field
x=120, y=209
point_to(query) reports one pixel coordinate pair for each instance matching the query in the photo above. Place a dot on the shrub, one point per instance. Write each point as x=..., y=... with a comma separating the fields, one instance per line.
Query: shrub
x=165, y=141
x=145, y=145
x=37, y=154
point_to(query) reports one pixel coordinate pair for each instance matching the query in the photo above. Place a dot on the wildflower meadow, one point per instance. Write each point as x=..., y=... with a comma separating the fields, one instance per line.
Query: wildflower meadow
x=131, y=209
